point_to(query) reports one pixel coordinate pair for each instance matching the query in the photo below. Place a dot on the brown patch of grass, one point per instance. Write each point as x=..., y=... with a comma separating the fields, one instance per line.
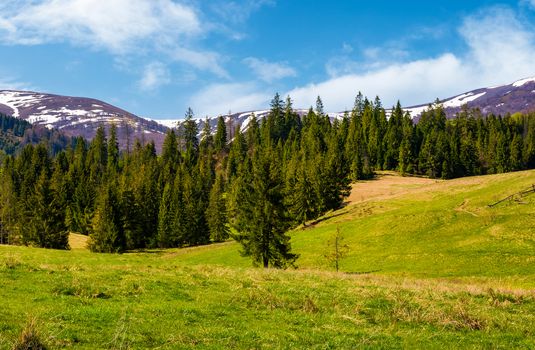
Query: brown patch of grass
x=309, y=305
x=78, y=241
x=29, y=339
x=386, y=185
x=11, y=262
x=80, y=290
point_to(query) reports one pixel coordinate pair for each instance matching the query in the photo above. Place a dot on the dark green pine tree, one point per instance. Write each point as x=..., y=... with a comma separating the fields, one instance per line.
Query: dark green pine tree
x=170, y=158
x=216, y=213
x=528, y=153
x=107, y=234
x=167, y=235
x=237, y=153
x=97, y=156
x=393, y=138
x=113, y=151
x=516, y=153
x=262, y=218
x=406, y=146
x=253, y=133
x=9, y=229
x=45, y=225
x=190, y=140
x=207, y=139
x=303, y=197
x=354, y=147
x=220, y=138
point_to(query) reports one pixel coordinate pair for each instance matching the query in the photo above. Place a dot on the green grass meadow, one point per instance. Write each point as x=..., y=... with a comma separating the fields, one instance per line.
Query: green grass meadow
x=430, y=267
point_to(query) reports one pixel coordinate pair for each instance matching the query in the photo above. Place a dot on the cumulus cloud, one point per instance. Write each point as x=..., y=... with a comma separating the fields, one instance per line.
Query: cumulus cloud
x=119, y=26
x=269, y=71
x=203, y=60
x=414, y=81
x=9, y=83
x=219, y=99
x=500, y=48
x=155, y=75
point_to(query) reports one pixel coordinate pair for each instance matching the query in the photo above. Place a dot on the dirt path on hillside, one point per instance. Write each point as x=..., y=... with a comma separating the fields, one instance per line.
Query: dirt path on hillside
x=386, y=185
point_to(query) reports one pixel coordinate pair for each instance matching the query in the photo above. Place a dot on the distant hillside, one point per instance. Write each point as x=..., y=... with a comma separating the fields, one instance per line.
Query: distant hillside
x=79, y=116
x=498, y=100
x=16, y=133
x=419, y=227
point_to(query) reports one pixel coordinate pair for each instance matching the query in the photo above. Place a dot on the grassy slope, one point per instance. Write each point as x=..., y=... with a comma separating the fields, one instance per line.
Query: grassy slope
x=450, y=273
x=423, y=229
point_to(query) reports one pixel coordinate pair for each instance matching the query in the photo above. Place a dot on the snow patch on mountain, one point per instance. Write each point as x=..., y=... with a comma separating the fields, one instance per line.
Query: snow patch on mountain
x=170, y=123
x=18, y=99
x=460, y=100
x=416, y=111
x=523, y=81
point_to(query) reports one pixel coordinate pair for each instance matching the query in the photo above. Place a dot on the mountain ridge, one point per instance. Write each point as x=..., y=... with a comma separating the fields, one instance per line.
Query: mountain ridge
x=81, y=116
x=518, y=96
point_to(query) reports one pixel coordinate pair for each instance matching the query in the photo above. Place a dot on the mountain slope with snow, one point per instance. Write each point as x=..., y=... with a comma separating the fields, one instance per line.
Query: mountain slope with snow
x=79, y=116
x=499, y=100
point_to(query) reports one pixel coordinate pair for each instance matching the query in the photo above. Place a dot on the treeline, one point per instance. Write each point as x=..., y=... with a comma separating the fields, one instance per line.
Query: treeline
x=278, y=173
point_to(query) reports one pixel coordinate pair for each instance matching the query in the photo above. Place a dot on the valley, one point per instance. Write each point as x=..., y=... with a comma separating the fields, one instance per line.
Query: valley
x=420, y=273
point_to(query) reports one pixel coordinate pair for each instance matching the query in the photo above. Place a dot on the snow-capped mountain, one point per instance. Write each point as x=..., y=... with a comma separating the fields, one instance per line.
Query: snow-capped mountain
x=79, y=116
x=499, y=100
x=234, y=120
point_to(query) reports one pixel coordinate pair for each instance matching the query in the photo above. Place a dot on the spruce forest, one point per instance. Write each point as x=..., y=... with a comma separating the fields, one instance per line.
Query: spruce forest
x=280, y=172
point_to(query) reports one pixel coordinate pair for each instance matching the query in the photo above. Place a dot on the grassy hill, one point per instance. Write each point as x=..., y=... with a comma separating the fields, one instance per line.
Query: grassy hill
x=430, y=265
x=421, y=228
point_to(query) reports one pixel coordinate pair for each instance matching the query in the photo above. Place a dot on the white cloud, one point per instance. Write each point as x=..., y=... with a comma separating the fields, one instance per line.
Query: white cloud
x=238, y=12
x=342, y=65
x=117, y=25
x=7, y=83
x=269, y=71
x=122, y=27
x=499, y=49
x=203, y=60
x=155, y=75
x=419, y=80
x=219, y=99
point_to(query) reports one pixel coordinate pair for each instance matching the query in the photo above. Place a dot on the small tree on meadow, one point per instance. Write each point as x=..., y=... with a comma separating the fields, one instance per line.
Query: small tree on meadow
x=336, y=249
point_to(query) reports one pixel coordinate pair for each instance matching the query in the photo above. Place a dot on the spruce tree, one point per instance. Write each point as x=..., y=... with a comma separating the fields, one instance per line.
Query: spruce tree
x=262, y=218
x=113, y=150
x=302, y=196
x=45, y=225
x=216, y=213
x=107, y=234
x=220, y=138
x=167, y=235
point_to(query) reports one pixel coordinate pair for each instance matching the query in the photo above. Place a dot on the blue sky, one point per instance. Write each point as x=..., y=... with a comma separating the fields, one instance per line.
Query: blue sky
x=157, y=57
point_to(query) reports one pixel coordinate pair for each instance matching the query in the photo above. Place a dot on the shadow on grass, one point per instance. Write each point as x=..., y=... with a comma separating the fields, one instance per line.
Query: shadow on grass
x=314, y=223
x=146, y=251
x=361, y=272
